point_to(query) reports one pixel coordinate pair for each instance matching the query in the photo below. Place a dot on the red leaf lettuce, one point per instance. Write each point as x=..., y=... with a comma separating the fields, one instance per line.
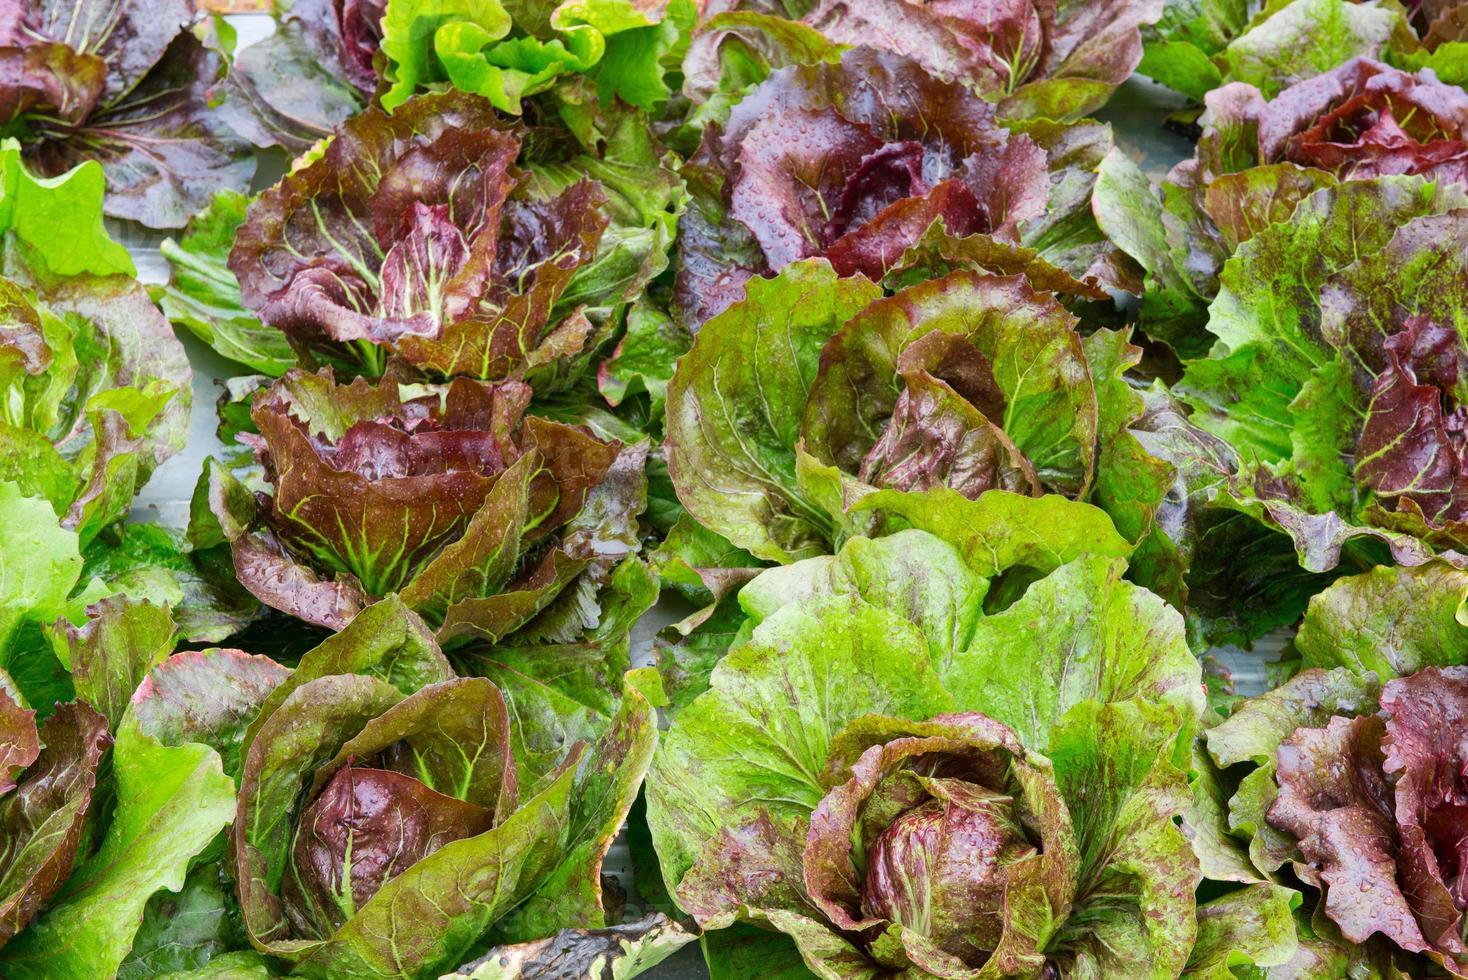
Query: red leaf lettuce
x=124, y=83
x=490, y=523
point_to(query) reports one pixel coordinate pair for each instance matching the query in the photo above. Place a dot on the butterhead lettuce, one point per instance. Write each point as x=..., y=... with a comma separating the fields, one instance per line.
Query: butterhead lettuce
x=386, y=824
x=871, y=785
x=1259, y=155
x=416, y=237
x=486, y=520
x=1336, y=377
x=857, y=160
x=814, y=405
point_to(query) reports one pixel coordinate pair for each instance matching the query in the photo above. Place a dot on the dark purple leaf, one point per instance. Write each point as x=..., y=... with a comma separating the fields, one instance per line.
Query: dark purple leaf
x=49, y=78
x=1365, y=119
x=295, y=86
x=367, y=826
x=478, y=515
x=409, y=232
x=164, y=149
x=938, y=438
x=1379, y=807
x=1412, y=446
x=1426, y=713
x=1056, y=61
x=853, y=161
x=360, y=24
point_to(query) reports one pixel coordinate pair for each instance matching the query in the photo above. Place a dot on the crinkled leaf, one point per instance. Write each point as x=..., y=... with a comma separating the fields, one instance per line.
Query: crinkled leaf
x=1003, y=530
x=1388, y=621
x=1085, y=634
x=58, y=220
x=209, y=696
x=757, y=740
x=1254, y=924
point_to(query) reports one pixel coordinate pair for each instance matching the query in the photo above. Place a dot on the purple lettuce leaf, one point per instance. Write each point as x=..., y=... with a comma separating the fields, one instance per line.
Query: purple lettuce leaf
x=21, y=744
x=366, y=826
x=490, y=523
x=387, y=642
x=359, y=25
x=293, y=88
x=125, y=84
x=414, y=235
x=852, y=161
x=1375, y=804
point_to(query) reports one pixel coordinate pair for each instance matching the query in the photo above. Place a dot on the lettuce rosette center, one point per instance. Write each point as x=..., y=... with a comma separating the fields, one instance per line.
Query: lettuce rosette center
x=935, y=826
x=943, y=855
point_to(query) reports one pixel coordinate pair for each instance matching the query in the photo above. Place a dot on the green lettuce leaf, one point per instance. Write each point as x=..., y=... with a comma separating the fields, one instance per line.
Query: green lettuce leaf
x=507, y=52
x=171, y=802
x=203, y=296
